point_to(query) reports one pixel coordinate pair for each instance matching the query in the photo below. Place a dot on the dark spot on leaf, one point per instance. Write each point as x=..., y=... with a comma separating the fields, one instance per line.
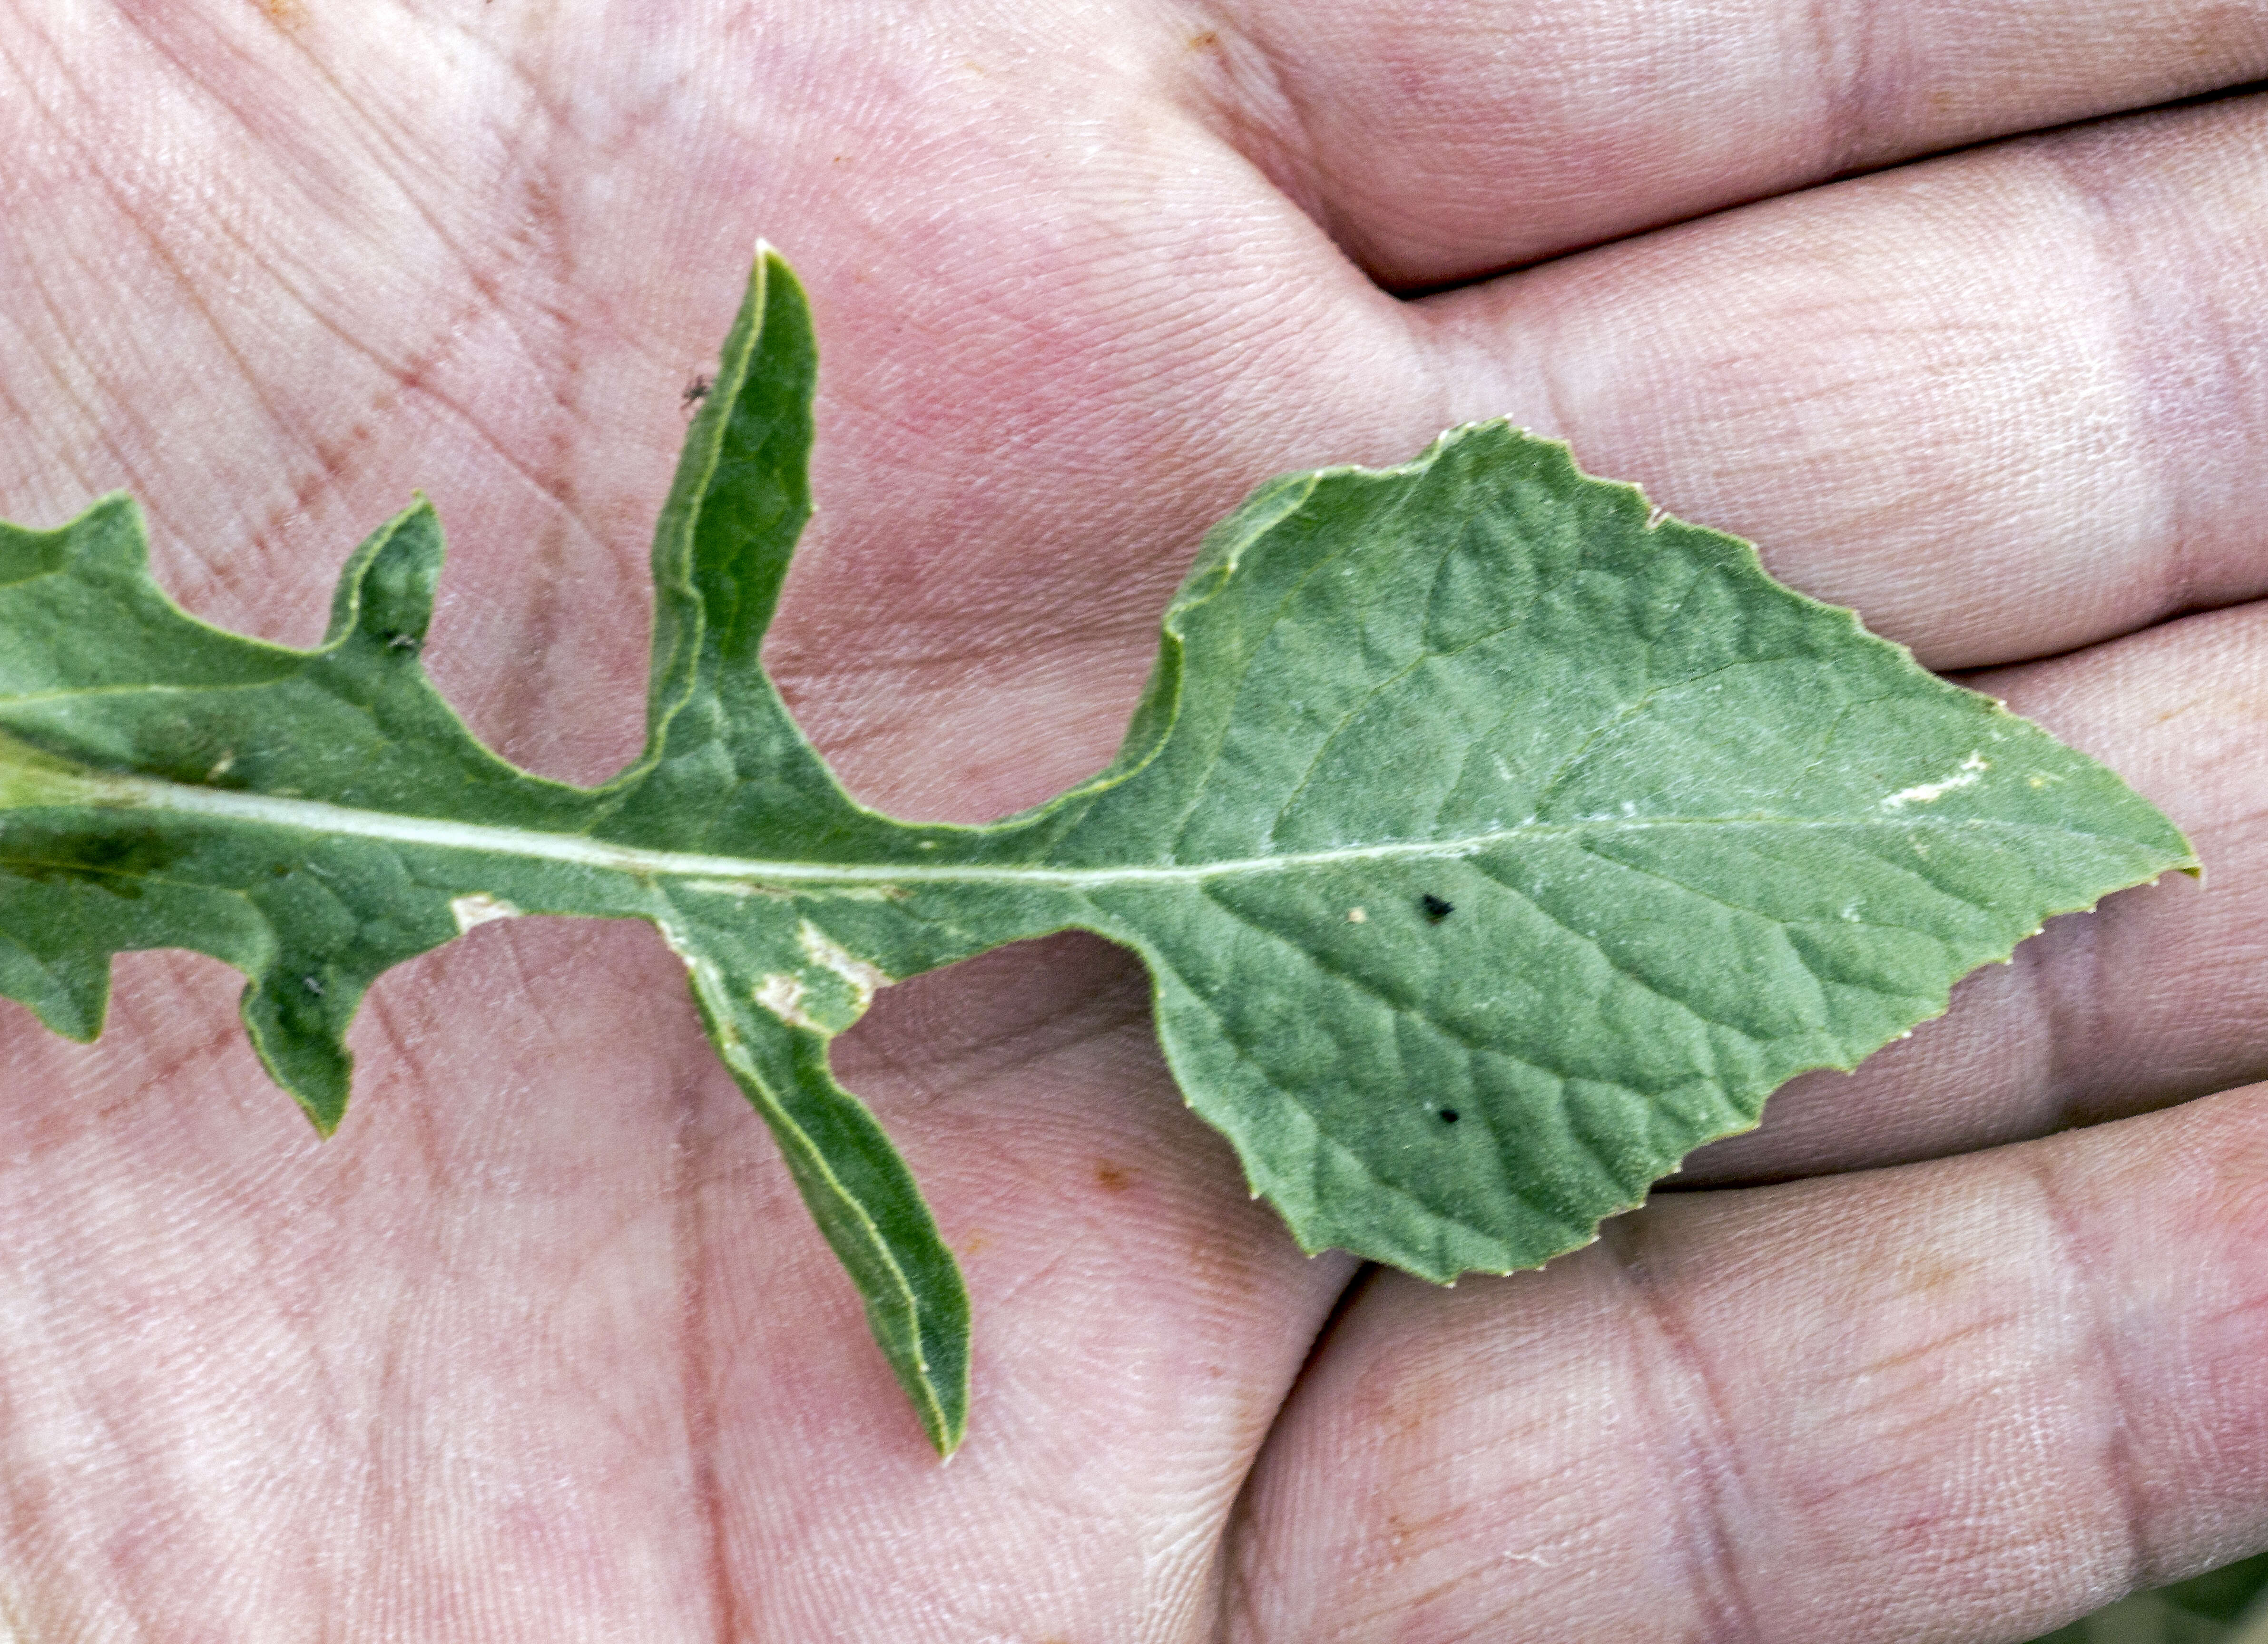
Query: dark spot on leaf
x=1436, y=909
x=1448, y=1115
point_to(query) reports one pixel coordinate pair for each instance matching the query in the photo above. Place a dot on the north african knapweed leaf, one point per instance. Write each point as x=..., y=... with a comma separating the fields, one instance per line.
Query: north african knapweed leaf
x=1491, y=840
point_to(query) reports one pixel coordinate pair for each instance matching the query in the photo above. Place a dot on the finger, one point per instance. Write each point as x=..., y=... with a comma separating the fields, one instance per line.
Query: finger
x=1477, y=137
x=1957, y=1400
x=2160, y=996
x=2005, y=403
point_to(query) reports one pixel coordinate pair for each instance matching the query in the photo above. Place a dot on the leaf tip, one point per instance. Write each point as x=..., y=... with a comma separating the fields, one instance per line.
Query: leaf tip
x=71, y=1000
x=109, y=533
x=385, y=593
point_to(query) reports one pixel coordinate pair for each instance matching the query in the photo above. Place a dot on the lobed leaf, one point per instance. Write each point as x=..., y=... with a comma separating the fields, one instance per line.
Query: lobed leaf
x=1493, y=841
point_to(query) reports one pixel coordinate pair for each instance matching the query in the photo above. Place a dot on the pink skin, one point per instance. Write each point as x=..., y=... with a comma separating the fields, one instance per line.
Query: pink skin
x=541, y=1346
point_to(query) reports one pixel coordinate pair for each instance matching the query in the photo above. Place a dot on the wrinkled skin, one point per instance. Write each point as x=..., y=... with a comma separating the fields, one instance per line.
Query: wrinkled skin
x=541, y=1346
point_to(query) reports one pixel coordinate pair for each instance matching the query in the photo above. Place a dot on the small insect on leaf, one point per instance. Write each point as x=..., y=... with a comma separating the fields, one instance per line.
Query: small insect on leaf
x=1436, y=909
x=695, y=392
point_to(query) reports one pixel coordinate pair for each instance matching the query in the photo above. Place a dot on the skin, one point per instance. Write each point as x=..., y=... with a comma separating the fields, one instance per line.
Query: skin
x=542, y=1346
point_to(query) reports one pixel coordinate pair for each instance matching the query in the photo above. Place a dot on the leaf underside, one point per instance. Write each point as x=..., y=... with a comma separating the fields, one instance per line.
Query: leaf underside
x=1493, y=841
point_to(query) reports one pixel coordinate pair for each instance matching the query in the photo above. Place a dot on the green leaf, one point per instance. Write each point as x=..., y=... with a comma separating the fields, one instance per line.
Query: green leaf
x=1491, y=840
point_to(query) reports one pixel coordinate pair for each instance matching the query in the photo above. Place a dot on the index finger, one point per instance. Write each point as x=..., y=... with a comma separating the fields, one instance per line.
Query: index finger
x=1440, y=143
x=2005, y=403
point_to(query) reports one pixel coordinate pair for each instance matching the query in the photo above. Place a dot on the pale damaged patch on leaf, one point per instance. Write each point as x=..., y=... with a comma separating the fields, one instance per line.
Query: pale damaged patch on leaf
x=480, y=908
x=781, y=994
x=1972, y=769
x=864, y=979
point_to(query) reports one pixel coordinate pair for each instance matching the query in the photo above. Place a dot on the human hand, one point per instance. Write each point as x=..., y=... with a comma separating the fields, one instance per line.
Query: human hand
x=543, y=1345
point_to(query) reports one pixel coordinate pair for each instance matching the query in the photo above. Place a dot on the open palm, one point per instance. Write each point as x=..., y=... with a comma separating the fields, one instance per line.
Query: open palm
x=543, y=1345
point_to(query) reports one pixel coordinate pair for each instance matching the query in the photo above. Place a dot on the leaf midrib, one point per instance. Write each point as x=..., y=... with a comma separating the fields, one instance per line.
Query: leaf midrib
x=579, y=850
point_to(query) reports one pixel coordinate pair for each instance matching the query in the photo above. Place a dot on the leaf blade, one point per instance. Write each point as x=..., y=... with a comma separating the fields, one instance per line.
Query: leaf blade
x=1559, y=849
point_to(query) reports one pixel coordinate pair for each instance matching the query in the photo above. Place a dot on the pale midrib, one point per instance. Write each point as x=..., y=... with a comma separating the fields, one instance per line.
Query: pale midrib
x=576, y=850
